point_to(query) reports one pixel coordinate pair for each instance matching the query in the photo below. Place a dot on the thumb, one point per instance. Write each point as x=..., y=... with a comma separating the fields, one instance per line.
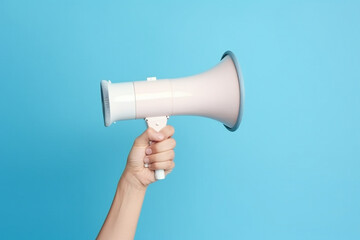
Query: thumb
x=149, y=135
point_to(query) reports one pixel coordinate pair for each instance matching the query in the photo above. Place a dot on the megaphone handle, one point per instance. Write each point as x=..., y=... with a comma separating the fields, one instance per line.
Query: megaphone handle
x=157, y=123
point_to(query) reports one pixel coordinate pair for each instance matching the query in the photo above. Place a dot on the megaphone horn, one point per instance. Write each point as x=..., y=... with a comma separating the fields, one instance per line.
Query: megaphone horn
x=217, y=93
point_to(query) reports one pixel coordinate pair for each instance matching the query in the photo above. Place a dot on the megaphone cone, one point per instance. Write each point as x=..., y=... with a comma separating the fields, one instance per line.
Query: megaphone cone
x=217, y=93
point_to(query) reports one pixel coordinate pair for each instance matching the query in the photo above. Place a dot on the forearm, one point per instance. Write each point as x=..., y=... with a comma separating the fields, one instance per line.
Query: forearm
x=125, y=210
x=124, y=213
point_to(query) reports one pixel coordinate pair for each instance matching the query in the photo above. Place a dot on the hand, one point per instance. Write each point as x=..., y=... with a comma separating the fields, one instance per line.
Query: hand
x=159, y=155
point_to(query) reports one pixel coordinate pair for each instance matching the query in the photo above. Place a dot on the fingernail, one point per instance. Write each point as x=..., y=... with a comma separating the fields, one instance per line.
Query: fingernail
x=146, y=160
x=148, y=151
x=160, y=136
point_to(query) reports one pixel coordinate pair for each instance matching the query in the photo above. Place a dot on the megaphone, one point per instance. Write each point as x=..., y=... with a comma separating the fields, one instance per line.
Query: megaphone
x=217, y=93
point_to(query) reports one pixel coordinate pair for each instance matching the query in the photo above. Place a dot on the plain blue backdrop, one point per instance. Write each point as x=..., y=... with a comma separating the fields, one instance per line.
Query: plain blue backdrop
x=291, y=171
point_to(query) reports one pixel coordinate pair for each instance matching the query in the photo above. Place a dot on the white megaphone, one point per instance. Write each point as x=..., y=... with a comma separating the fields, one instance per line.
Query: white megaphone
x=217, y=93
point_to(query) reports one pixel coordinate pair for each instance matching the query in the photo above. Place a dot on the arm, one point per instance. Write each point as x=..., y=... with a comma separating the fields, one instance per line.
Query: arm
x=124, y=213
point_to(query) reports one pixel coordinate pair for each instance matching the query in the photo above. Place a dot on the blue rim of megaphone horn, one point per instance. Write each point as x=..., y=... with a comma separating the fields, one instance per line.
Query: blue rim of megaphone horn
x=241, y=90
x=104, y=86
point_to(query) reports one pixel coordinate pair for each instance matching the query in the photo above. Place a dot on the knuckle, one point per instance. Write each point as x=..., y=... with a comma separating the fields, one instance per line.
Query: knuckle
x=168, y=130
x=168, y=145
x=171, y=130
x=172, y=154
x=173, y=142
x=169, y=165
x=148, y=131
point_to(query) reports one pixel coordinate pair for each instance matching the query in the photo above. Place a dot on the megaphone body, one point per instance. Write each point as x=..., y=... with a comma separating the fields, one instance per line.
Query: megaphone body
x=217, y=93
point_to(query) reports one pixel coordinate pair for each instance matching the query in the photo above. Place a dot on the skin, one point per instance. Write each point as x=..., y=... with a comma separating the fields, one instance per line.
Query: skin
x=124, y=213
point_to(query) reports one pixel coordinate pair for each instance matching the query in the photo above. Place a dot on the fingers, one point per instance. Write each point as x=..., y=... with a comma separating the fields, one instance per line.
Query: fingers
x=162, y=160
x=160, y=157
x=167, y=165
x=151, y=135
x=160, y=153
x=162, y=146
x=168, y=131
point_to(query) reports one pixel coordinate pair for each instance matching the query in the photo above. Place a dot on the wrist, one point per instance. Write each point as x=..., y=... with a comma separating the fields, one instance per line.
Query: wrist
x=131, y=181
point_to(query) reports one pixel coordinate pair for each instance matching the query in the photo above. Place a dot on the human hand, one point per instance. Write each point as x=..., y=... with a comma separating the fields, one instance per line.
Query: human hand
x=159, y=155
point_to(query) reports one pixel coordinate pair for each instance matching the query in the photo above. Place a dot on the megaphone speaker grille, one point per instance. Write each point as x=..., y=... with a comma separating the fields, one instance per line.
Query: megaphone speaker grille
x=105, y=102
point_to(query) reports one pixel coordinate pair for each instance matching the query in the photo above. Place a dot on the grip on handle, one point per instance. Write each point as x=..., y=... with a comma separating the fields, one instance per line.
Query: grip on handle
x=157, y=123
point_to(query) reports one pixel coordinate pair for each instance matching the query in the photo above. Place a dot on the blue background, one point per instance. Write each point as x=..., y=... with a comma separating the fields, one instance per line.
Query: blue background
x=291, y=171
